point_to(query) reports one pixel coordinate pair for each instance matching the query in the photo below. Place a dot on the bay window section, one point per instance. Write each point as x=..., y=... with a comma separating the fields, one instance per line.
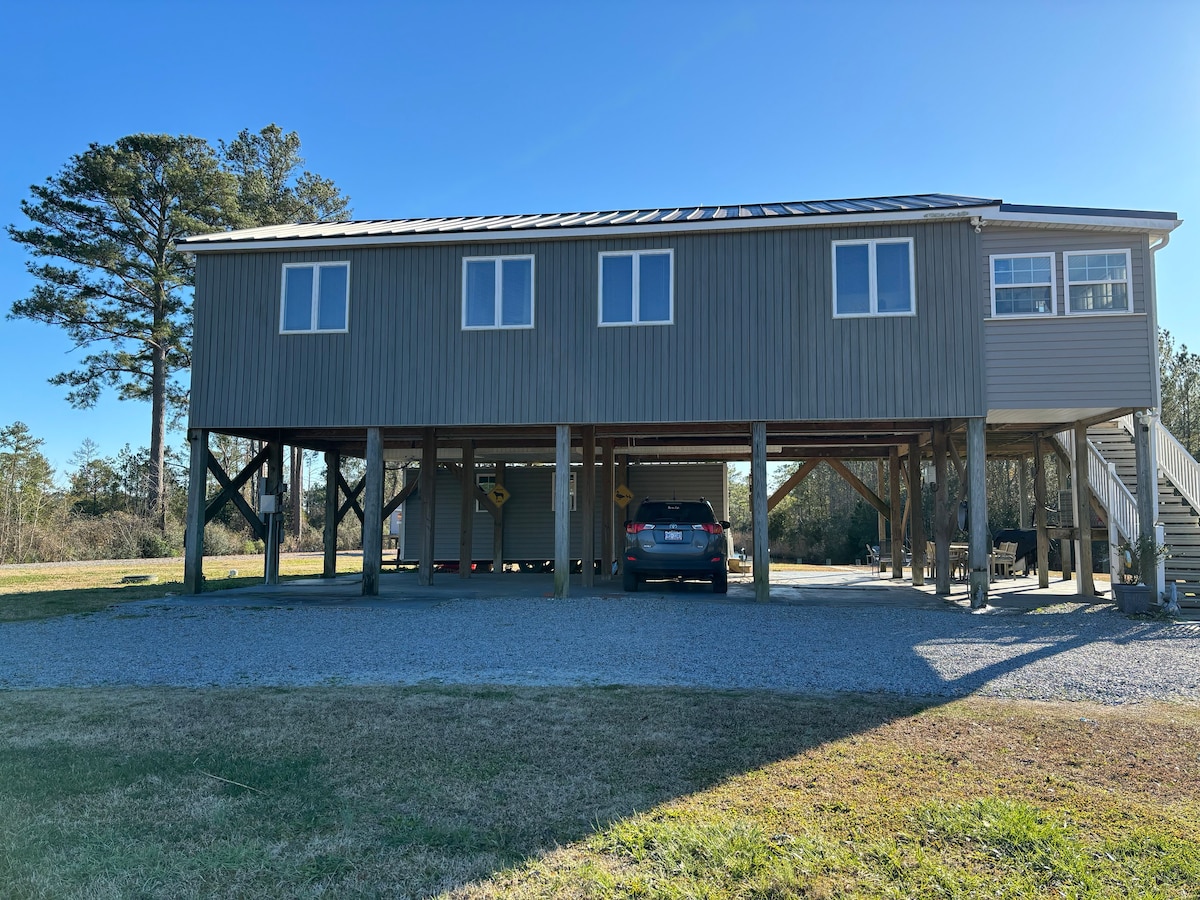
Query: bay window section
x=1098, y=281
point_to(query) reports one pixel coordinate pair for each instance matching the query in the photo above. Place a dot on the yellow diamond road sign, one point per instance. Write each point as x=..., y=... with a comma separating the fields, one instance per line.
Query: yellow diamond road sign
x=622, y=496
x=499, y=495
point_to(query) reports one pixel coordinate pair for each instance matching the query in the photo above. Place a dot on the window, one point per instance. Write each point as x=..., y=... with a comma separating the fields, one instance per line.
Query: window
x=1023, y=284
x=315, y=297
x=485, y=482
x=873, y=278
x=497, y=292
x=637, y=288
x=1097, y=281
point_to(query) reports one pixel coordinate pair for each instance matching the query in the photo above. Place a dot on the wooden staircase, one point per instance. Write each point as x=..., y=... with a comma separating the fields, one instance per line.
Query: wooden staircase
x=1180, y=521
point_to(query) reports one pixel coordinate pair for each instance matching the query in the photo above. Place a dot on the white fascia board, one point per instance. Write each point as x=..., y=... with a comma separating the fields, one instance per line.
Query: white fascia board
x=827, y=220
x=1124, y=223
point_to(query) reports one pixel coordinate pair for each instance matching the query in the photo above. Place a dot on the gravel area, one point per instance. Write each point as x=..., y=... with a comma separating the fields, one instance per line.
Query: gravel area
x=1069, y=651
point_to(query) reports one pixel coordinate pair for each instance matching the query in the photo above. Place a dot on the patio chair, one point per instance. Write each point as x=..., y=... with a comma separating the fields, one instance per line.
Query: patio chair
x=930, y=559
x=1004, y=560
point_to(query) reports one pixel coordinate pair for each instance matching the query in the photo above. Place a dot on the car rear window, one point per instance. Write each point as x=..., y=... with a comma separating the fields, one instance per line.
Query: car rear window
x=684, y=512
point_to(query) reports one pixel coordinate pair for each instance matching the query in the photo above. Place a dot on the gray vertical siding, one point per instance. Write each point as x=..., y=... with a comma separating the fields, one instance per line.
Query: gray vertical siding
x=754, y=338
x=529, y=515
x=1088, y=361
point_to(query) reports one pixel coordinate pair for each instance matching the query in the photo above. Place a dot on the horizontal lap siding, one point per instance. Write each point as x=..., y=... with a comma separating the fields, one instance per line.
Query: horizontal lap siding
x=1068, y=361
x=529, y=513
x=754, y=338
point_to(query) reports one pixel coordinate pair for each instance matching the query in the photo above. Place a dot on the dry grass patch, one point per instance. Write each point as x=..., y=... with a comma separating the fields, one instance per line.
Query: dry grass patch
x=596, y=792
x=44, y=591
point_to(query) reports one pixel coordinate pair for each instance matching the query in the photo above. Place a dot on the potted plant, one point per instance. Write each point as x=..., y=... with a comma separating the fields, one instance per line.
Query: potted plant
x=1139, y=563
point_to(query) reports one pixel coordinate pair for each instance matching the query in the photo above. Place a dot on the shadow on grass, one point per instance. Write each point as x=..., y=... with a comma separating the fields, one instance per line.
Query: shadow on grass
x=404, y=791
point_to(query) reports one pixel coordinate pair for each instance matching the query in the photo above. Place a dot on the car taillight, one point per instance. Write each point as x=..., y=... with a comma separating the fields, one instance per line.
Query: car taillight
x=635, y=527
x=713, y=528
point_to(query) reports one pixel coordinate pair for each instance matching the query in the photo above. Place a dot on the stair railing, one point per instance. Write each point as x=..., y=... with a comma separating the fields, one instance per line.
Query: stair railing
x=1174, y=461
x=1107, y=487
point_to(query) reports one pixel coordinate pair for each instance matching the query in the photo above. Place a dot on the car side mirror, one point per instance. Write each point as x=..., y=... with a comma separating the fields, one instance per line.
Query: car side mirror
x=628, y=522
x=724, y=524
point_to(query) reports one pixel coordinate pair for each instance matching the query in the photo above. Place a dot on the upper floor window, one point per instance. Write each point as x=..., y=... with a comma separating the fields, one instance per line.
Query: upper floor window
x=1097, y=281
x=497, y=292
x=1023, y=284
x=874, y=278
x=315, y=297
x=637, y=288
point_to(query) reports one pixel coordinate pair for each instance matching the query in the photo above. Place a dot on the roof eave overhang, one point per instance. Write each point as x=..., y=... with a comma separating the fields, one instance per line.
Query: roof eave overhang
x=1075, y=220
x=212, y=244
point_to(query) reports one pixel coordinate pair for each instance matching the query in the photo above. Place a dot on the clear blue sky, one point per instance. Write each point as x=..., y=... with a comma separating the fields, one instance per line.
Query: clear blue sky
x=434, y=109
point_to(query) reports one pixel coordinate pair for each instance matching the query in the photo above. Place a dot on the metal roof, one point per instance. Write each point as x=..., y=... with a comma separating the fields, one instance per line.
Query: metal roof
x=683, y=215
x=685, y=218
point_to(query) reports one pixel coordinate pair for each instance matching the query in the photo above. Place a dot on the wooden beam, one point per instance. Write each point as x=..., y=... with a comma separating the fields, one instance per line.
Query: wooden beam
x=405, y=492
x=428, y=494
x=1039, y=511
x=333, y=466
x=193, y=536
x=855, y=482
x=562, y=511
x=498, y=525
x=274, y=486
x=372, y=522
x=980, y=545
x=916, y=498
x=1083, y=495
x=941, y=511
x=758, y=511
x=587, y=507
x=897, y=542
x=608, y=488
x=231, y=490
x=466, y=510
x=352, y=495
x=794, y=479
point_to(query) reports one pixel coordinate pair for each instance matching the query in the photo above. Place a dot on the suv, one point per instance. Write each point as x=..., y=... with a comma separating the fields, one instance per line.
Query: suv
x=676, y=539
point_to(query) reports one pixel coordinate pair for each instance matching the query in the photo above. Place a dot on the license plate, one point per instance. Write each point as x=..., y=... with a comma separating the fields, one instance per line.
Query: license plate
x=672, y=536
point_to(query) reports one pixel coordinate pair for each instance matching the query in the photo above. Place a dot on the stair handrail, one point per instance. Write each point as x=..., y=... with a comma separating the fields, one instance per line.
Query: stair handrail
x=1107, y=487
x=1174, y=461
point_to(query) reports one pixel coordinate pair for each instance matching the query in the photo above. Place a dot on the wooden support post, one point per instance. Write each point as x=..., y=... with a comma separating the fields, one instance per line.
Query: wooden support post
x=297, y=492
x=333, y=465
x=916, y=497
x=897, y=513
x=466, y=511
x=619, y=537
x=562, y=510
x=587, y=508
x=608, y=488
x=758, y=511
x=1023, y=489
x=498, y=527
x=1083, y=508
x=193, y=539
x=274, y=487
x=427, y=489
x=881, y=489
x=1146, y=476
x=1039, y=512
x=941, y=511
x=372, y=527
x=980, y=546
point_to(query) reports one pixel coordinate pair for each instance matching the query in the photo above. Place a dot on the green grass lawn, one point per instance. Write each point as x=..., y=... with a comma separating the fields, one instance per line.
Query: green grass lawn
x=40, y=592
x=591, y=792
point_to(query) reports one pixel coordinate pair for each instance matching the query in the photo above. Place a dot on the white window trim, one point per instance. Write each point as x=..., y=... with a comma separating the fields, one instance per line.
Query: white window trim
x=315, y=266
x=1053, y=284
x=637, y=284
x=1067, y=283
x=873, y=287
x=499, y=298
x=487, y=481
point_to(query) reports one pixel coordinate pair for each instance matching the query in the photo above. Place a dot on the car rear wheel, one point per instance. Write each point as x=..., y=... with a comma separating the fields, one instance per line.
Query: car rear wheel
x=629, y=580
x=721, y=583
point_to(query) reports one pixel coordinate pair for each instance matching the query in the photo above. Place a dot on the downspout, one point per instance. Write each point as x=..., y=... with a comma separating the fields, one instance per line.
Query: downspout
x=1151, y=415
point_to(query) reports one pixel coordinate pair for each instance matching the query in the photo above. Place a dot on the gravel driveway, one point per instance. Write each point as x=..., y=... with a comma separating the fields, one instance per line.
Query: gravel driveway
x=1069, y=651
